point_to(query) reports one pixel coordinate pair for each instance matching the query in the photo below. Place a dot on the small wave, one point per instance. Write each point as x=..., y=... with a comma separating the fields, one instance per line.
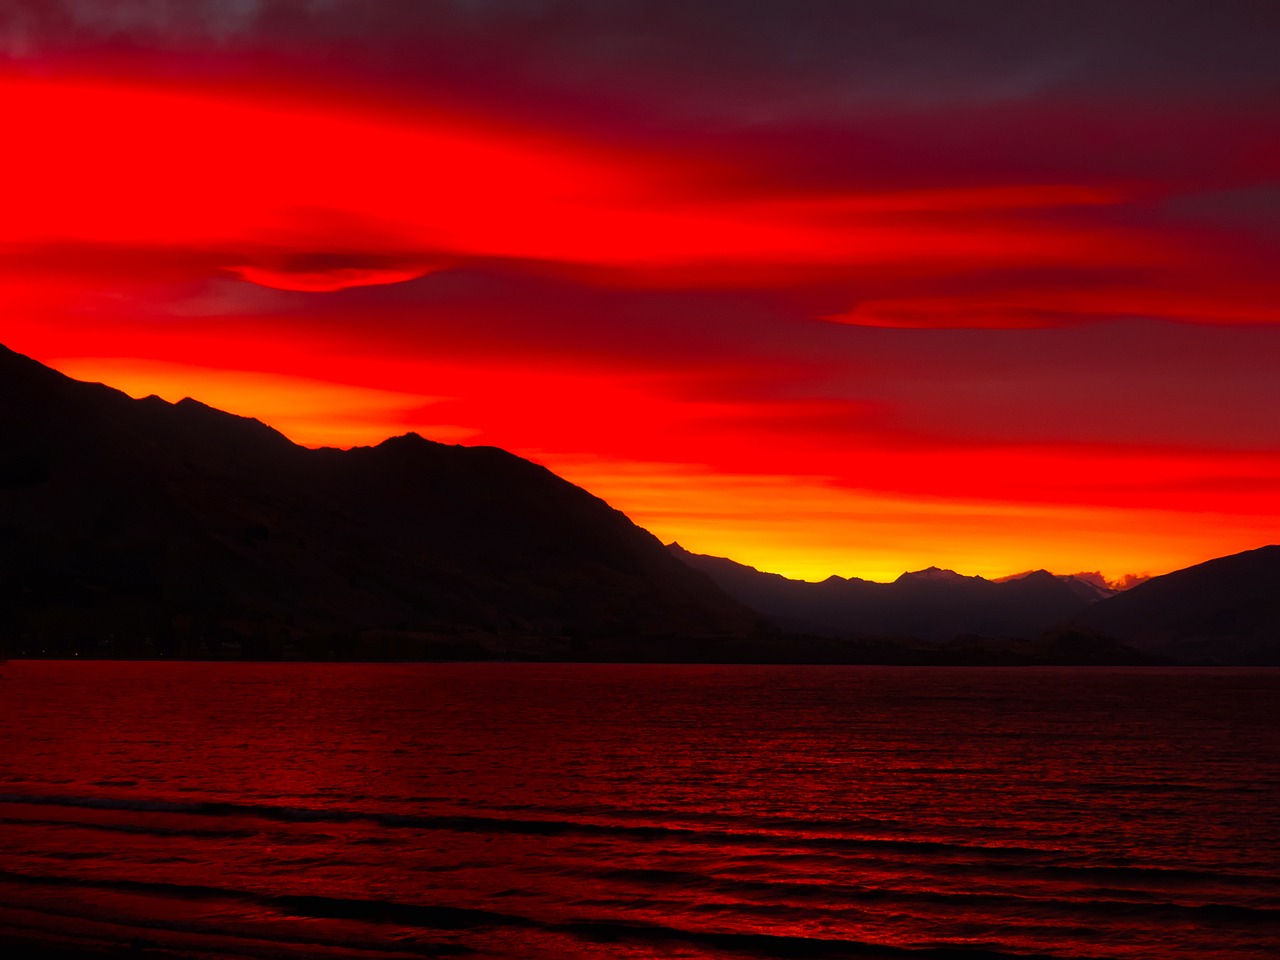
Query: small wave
x=451, y=918
x=144, y=829
x=756, y=896
x=782, y=946
x=943, y=856
x=305, y=905
x=229, y=941
x=389, y=911
x=186, y=891
x=466, y=823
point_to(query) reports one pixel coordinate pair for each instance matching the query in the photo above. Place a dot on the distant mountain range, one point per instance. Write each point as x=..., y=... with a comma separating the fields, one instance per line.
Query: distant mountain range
x=145, y=528
x=932, y=605
x=1223, y=611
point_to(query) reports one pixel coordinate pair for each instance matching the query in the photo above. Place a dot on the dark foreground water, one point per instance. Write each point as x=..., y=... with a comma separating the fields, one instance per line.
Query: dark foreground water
x=575, y=811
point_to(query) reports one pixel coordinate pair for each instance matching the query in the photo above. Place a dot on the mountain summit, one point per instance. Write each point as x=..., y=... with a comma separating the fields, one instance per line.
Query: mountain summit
x=934, y=575
x=140, y=527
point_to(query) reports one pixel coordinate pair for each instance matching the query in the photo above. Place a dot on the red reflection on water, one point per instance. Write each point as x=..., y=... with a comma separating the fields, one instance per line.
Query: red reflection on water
x=622, y=811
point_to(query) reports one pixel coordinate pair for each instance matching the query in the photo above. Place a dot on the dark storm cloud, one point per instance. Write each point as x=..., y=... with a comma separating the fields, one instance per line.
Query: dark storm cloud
x=750, y=61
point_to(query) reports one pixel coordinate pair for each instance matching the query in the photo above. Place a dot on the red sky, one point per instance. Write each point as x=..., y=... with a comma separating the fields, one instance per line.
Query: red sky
x=828, y=287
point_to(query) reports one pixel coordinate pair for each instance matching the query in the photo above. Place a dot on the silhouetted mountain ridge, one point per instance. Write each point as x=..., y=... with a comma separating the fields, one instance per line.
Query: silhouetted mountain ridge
x=138, y=526
x=933, y=604
x=1225, y=610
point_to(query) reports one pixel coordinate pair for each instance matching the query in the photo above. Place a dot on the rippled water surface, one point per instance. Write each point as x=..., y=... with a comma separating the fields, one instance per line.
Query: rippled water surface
x=593, y=811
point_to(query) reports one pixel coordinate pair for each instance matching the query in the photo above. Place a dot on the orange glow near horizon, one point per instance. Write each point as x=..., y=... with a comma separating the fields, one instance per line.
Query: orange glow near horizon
x=805, y=527
x=810, y=529
x=880, y=346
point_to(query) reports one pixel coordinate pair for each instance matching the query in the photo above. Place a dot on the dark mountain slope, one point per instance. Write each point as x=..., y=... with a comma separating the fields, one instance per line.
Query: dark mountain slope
x=137, y=526
x=1223, y=611
x=932, y=605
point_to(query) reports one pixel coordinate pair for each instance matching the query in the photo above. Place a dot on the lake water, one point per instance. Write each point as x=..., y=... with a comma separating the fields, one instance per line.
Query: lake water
x=617, y=811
